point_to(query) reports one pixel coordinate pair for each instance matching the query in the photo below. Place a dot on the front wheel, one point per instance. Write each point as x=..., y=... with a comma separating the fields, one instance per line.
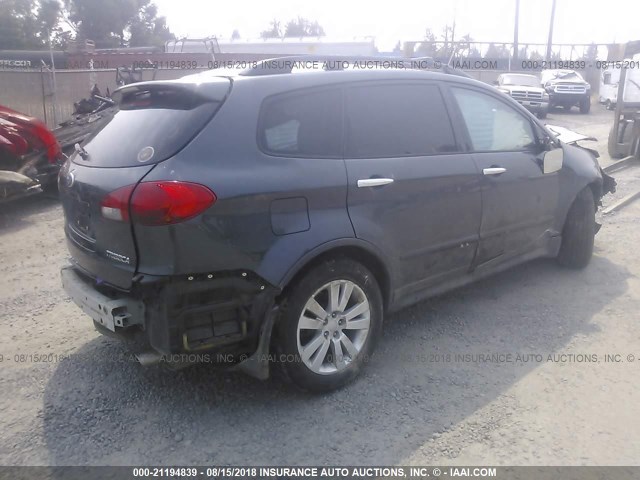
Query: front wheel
x=579, y=232
x=585, y=105
x=330, y=322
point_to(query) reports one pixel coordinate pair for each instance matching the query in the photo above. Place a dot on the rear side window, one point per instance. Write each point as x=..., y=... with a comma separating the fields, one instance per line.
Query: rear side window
x=150, y=124
x=492, y=125
x=304, y=124
x=397, y=120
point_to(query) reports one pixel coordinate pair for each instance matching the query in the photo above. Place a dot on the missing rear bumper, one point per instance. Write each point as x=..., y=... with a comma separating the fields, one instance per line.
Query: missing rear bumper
x=110, y=312
x=222, y=318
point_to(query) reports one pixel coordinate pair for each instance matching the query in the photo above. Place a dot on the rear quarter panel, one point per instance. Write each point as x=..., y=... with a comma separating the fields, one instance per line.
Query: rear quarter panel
x=258, y=222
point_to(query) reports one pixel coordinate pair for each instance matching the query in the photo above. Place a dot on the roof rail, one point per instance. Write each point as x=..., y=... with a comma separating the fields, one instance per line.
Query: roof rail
x=285, y=65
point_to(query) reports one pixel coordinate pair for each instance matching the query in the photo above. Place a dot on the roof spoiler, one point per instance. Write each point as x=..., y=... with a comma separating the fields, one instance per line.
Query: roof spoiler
x=213, y=89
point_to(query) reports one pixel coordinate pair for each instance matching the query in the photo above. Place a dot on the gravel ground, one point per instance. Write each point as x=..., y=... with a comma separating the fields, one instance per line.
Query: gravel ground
x=418, y=402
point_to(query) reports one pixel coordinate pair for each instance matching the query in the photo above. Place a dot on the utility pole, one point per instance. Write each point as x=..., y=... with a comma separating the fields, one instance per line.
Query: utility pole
x=515, y=33
x=553, y=14
x=54, y=93
x=453, y=45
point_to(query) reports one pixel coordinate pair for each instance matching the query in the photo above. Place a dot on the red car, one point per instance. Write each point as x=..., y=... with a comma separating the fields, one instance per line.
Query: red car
x=30, y=155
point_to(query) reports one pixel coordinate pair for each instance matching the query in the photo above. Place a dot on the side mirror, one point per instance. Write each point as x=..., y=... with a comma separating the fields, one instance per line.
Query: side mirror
x=496, y=82
x=552, y=160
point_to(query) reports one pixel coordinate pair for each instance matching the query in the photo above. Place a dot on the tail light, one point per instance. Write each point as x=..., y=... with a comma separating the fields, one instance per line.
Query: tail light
x=157, y=203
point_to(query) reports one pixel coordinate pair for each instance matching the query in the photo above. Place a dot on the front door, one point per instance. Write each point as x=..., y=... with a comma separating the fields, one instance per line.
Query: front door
x=518, y=200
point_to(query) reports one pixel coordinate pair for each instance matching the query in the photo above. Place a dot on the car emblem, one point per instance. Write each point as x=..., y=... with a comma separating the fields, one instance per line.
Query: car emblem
x=146, y=154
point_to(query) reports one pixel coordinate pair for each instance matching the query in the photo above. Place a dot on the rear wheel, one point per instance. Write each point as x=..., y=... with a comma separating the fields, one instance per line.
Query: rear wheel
x=329, y=326
x=542, y=114
x=579, y=232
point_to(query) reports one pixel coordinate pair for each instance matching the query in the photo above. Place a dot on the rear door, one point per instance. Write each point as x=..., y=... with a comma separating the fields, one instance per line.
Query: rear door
x=153, y=122
x=412, y=192
x=518, y=199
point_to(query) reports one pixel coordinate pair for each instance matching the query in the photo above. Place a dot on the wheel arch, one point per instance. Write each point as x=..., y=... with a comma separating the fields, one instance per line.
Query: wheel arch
x=596, y=189
x=355, y=249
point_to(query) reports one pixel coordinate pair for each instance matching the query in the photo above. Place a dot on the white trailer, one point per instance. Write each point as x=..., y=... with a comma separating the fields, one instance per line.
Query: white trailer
x=610, y=82
x=608, y=93
x=624, y=137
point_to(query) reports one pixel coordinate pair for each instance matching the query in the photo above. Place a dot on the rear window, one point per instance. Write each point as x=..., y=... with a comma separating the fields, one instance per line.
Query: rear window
x=151, y=124
x=304, y=124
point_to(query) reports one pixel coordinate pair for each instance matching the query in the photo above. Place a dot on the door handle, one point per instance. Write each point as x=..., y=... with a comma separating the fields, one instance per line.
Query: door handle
x=493, y=171
x=374, y=182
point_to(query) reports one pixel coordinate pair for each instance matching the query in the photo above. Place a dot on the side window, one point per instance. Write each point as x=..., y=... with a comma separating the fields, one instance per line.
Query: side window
x=607, y=78
x=493, y=125
x=396, y=120
x=304, y=124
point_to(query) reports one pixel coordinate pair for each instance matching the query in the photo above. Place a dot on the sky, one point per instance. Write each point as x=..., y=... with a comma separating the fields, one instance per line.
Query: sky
x=576, y=21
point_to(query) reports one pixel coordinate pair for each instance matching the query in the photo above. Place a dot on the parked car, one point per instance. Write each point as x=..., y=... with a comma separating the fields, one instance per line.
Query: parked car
x=526, y=90
x=270, y=211
x=30, y=156
x=566, y=89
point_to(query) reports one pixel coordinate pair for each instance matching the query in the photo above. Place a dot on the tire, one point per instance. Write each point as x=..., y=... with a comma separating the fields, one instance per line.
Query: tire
x=542, y=114
x=607, y=104
x=579, y=232
x=307, y=342
x=566, y=108
x=615, y=150
x=585, y=105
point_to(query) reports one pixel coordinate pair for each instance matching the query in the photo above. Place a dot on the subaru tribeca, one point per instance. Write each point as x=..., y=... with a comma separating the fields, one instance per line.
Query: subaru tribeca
x=270, y=215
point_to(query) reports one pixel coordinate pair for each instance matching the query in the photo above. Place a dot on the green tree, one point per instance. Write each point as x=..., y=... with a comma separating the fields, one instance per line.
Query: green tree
x=48, y=19
x=147, y=29
x=462, y=48
x=103, y=21
x=301, y=27
x=535, y=55
x=117, y=23
x=273, y=31
x=429, y=47
x=591, y=53
x=27, y=24
x=497, y=51
x=18, y=28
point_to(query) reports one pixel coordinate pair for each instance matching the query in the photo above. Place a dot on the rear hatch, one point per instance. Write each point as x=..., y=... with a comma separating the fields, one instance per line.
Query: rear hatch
x=153, y=122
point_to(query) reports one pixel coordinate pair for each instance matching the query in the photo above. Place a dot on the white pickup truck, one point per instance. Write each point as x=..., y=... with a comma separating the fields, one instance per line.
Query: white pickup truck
x=526, y=90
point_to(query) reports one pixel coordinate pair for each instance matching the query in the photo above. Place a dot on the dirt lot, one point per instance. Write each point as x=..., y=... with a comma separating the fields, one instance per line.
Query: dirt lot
x=421, y=401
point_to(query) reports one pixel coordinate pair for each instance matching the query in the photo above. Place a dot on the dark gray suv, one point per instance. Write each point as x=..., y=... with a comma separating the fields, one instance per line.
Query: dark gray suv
x=270, y=215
